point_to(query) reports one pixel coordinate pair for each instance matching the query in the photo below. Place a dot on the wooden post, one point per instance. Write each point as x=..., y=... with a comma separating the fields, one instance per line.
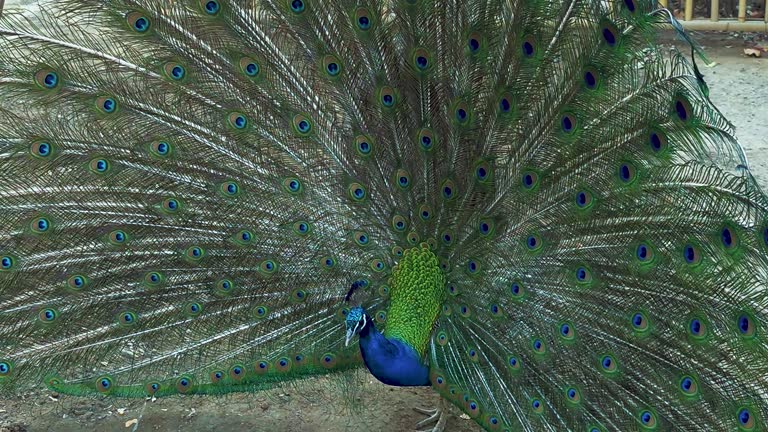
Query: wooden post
x=742, y=10
x=715, y=12
x=689, y=10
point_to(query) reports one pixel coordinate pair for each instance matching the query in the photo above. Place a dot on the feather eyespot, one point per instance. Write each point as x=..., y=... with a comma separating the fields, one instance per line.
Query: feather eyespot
x=328, y=360
x=568, y=123
x=194, y=253
x=184, y=384
x=591, y=79
x=514, y=363
x=447, y=238
x=47, y=79
x=118, y=237
x=302, y=125
x=657, y=141
x=692, y=255
x=160, y=148
x=413, y=238
x=193, y=309
x=332, y=66
x=608, y=364
x=422, y=60
x=40, y=225
x=283, y=364
x=449, y=190
x=426, y=139
x=170, y=205
x=268, y=266
x=537, y=406
x=363, y=145
x=237, y=121
x=260, y=312
x=425, y=212
x=530, y=180
x=249, y=67
x=683, y=109
x=573, y=395
x=99, y=166
x=517, y=290
x=127, y=318
x=402, y=179
x=210, y=7
x=377, y=265
x=357, y=192
x=610, y=34
x=539, y=347
x=77, y=282
x=216, y=376
x=483, y=172
x=7, y=262
x=387, y=97
x=627, y=173
x=362, y=238
x=640, y=322
x=48, y=315
x=297, y=6
x=689, y=387
x=567, y=332
x=698, y=328
x=746, y=419
x=107, y=105
x=584, y=199
x=529, y=47
x=299, y=296
x=174, y=71
x=746, y=326
x=644, y=253
x=647, y=419
x=104, y=384
x=138, y=22
x=292, y=185
x=152, y=388
x=41, y=149
x=399, y=223
x=153, y=279
x=363, y=19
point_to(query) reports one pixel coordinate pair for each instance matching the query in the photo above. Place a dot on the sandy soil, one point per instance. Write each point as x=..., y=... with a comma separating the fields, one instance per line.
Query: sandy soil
x=739, y=87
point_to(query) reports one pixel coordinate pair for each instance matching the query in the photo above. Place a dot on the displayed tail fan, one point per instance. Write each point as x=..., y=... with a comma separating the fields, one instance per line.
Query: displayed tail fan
x=530, y=195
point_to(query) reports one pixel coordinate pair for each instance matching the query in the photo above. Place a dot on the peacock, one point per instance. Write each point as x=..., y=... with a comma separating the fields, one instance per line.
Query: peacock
x=528, y=205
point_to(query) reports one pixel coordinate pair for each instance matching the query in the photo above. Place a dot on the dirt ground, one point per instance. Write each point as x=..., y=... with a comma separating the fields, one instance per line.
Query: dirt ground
x=739, y=87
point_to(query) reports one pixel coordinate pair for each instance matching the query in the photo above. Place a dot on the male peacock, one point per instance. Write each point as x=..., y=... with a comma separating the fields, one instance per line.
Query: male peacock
x=541, y=210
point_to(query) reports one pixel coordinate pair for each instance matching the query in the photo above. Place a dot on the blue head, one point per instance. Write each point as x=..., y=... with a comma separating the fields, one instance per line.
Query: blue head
x=355, y=322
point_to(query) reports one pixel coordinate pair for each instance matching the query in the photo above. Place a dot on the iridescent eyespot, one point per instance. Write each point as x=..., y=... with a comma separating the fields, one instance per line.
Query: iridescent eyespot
x=193, y=309
x=328, y=360
x=384, y=291
x=402, y=179
x=683, y=109
x=449, y=190
x=118, y=237
x=465, y=311
x=174, y=71
x=657, y=140
x=47, y=79
x=195, y=253
x=514, y=363
x=99, y=166
x=610, y=34
x=691, y=254
x=361, y=238
x=537, y=406
x=377, y=265
x=283, y=364
x=474, y=42
x=566, y=331
x=572, y=395
x=48, y=315
x=237, y=120
x=447, y=238
x=517, y=289
x=486, y=227
x=40, y=225
x=387, y=97
x=747, y=421
x=473, y=267
x=746, y=325
x=381, y=316
x=249, y=67
x=41, y=149
x=568, y=123
x=292, y=185
x=184, y=384
x=153, y=279
x=357, y=192
x=216, y=376
x=533, y=242
x=688, y=386
x=538, y=346
x=505, y=104
x=473, y=355
x=496, y=310
x=7, y=262
x=413, y=238
x=170, y=205
x=224, y=286
x=461, y=113
x=591, y=79
x=268, y=266
x=442, y=338
x=425, y=212
x=138, y=22
x=363, y=19
x=302, y=124
x=160, y=148
x=728, y=238
x=397, y=251
x=104, y=384
x=106, y=104
x=647, y=419
x=260, y=312
x=608, y=364
x=152, y=387
x=530, y=180
x=426, y=139
x=697, y=328
x=640, y=322
x=127, y=318
x=644, y=253
x=244, y=237
x=299, y=295
x=363, y=145
x=584, y=199
x=583, y=275
x=529, y=47
x=399, y=223
x=627, y=172
x=422, y=60
x=331, y=66
x=483, y=172
x=210, y=7
x=77, y=282
x=302, y=227
x=297, y=6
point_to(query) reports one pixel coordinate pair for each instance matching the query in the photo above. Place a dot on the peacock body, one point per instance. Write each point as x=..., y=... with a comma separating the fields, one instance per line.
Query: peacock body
x=525, y=204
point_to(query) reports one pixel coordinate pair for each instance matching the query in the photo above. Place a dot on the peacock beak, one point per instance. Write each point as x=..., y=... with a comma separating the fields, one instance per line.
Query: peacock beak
x=350, y=334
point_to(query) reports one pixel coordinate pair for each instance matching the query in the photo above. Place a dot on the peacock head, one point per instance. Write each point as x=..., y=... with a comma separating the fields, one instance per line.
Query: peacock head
x=355, y=322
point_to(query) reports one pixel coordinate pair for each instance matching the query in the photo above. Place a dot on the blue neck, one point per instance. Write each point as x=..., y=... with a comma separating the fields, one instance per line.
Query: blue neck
x=391, y=361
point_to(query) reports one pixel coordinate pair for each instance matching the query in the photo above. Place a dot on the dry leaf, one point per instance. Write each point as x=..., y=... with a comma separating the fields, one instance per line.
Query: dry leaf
x=130, y=423
x=751, y=52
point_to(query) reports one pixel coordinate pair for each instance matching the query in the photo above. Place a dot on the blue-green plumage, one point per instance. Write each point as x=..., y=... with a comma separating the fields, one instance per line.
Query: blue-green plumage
x=539, y=206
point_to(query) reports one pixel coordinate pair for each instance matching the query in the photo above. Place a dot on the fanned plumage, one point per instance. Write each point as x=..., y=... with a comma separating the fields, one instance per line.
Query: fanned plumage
x=190, y=188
